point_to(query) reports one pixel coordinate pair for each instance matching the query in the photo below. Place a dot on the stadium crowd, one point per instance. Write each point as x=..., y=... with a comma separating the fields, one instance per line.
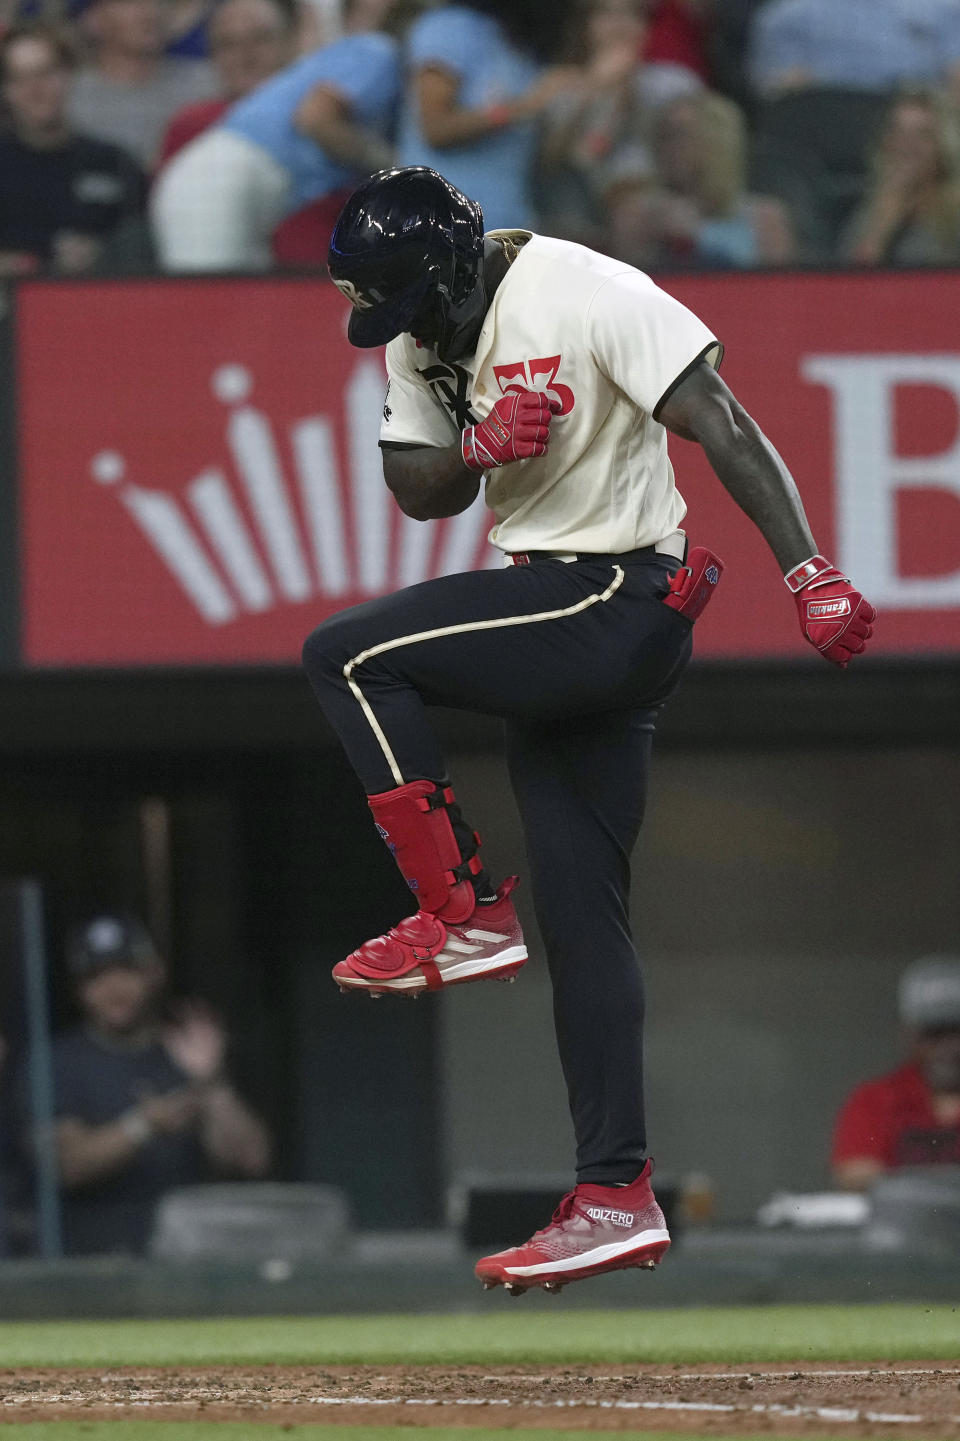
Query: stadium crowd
x=675, y=134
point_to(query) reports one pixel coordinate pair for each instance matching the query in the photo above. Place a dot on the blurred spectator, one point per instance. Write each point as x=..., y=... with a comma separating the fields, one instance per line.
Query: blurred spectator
x=249, y=41
x=825, y=72
x=477, y=84
x=693, y=209
x=141, y=1105
x=597, y=124
x=313, y=23
x=911, y=213
x=911, y=1116
x=305, y=135
x=62, y=194
x=188, y=27
x=730, y=27
x=130, y=90
x=678, y=35
x=320, y=23
x=854, y=44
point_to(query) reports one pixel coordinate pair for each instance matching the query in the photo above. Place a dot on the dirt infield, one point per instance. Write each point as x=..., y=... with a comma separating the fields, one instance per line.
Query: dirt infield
x=883, y=1400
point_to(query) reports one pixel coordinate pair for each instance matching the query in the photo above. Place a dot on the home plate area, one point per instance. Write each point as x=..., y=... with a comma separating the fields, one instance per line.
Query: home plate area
x=885, y=1399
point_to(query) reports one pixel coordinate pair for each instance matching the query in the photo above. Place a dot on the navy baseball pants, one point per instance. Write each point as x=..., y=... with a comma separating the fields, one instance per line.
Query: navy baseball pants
x=577, y=657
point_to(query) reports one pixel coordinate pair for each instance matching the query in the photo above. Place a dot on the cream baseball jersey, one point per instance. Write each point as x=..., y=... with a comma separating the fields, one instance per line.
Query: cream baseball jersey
x=608, y=345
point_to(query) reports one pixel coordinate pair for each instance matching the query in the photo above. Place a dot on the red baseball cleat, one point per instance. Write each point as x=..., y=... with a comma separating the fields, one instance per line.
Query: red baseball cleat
x=594, y=1229
x=424, y=953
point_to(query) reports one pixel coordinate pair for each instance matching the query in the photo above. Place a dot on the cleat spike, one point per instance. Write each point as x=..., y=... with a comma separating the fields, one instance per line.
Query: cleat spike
x=513, y=1289
x=486, y=1284
x=554, y=1287
x=343, y=990
x=376, y=995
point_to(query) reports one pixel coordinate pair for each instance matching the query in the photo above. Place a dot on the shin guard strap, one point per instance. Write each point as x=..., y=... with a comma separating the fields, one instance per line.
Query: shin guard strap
x=414, y=821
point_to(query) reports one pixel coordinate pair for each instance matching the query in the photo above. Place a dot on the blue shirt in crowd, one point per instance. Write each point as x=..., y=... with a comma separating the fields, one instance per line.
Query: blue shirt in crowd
x=496, y=169
x=364, y=69
x=856, y=44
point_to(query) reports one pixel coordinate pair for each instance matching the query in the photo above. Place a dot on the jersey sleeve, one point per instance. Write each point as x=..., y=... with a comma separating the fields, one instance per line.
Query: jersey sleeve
x=447, y=39
x=864, y=1128
x=367, y=75
x=780, y=41
x=949, y=40
x=645, y=341
x=411, y=413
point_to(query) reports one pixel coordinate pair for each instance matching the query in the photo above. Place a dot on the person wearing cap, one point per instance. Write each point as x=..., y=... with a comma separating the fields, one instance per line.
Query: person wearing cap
x=140, y=1106
x=911, y=1116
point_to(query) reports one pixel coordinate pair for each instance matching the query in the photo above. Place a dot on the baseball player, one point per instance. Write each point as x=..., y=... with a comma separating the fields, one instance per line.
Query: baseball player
x=552, y=373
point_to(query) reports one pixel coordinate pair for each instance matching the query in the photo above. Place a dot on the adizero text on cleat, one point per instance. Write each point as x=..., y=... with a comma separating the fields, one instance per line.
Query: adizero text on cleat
x=594, y=1229
x=425, y=953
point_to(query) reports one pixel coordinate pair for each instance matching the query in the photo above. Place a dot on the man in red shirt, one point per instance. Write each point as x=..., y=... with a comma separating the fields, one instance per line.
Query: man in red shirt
x=911, y=1116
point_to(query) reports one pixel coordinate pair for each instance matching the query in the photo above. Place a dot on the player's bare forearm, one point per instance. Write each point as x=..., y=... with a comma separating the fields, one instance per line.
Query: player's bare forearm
x=703, y=408
x=429, y=482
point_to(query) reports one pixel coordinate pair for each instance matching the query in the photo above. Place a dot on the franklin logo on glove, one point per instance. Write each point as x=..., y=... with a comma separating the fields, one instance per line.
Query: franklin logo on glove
x=834, y=616
x=517, y=428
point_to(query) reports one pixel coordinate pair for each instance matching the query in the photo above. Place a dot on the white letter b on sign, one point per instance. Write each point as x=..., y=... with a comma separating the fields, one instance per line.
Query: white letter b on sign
x=869, y=473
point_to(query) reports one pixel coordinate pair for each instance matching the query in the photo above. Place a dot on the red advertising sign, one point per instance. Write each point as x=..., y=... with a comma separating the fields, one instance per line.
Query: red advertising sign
x=200, y=481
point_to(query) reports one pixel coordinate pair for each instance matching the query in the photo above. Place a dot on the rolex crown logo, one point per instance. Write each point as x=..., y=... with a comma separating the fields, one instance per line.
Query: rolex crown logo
x=248, y=536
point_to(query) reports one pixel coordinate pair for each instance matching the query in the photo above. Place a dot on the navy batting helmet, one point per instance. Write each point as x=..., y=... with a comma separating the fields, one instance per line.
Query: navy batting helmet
x=407, y=251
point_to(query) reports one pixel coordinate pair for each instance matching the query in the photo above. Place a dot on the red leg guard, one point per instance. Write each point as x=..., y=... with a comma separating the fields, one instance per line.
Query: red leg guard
x=414, y=821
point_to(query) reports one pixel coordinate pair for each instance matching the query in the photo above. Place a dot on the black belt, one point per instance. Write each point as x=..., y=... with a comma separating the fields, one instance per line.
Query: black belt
x=627, y=557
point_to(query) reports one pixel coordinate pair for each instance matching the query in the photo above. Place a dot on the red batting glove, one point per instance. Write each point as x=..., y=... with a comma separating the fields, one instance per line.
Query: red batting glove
x=517, y=428
x=834, y=616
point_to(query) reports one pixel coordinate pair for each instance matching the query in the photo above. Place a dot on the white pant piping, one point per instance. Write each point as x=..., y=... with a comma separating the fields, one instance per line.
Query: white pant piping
x=462, y=629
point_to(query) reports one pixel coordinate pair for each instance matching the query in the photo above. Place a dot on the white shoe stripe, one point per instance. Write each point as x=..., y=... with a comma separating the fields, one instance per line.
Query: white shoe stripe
x=476, y=968
x=462, y=629
x=594, y=1257
x=461, y=946
x=490, y=936
x=511, y=956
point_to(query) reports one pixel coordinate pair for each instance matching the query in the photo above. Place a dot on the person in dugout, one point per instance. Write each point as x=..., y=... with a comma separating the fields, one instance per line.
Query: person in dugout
x=911, y=1115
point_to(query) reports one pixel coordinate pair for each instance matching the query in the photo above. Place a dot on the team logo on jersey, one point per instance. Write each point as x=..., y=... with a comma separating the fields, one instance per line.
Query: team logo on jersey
x=540, y=374
x=387, y=412
x=451, y=384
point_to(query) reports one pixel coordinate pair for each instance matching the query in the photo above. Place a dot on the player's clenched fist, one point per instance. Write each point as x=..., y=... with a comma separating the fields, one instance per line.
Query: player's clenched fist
x=834, y=616
x=517, y=428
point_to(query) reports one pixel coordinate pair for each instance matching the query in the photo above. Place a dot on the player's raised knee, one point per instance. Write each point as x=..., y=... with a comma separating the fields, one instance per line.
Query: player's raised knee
x=323, y=652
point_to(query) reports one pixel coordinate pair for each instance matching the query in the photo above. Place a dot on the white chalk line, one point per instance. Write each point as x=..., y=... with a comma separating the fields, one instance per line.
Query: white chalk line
x=821, y=1413
x=793, y=1375
x=824, y=1413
